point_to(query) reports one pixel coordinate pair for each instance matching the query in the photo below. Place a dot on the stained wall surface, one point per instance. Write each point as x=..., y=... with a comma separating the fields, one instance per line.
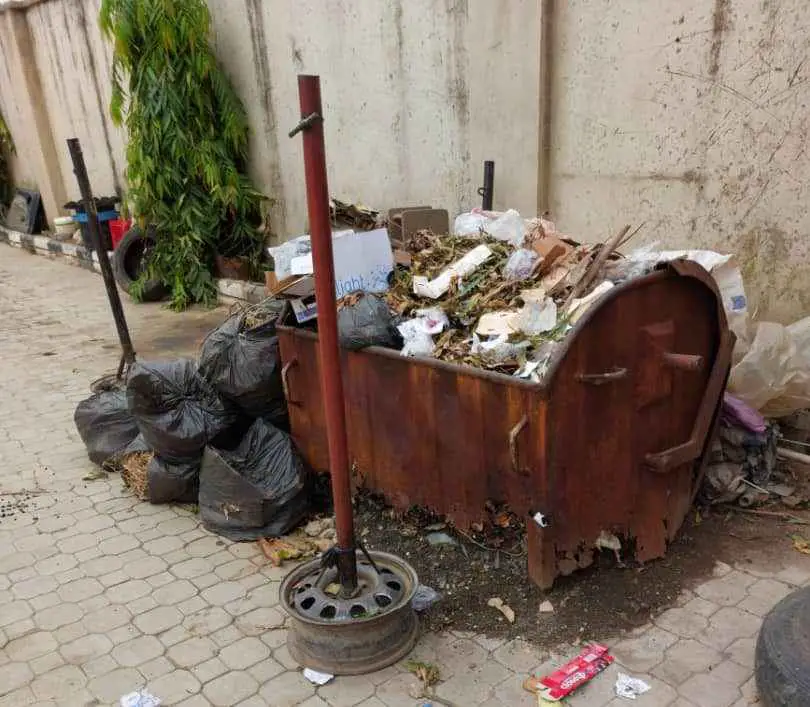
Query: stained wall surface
x=691, y=118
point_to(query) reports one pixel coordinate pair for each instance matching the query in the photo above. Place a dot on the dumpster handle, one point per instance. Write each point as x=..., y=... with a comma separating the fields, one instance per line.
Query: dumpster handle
x=513, y=435
x=672, y=458
x=684, y=362
x=285, y=384
x=602, y=378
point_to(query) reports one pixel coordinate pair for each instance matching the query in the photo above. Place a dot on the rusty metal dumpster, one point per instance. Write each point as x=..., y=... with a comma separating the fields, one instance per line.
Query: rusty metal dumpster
x=612, y=441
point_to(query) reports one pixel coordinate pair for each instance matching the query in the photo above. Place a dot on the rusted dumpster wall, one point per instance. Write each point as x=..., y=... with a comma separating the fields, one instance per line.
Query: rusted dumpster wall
x=611, y=443
x=421, y=432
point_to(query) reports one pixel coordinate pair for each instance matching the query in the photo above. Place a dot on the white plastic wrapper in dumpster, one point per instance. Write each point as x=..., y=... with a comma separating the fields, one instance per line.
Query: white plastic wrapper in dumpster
x=105, y=425
x=260, y=489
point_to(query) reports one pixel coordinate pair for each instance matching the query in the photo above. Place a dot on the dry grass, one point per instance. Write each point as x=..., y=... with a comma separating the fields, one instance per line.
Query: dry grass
x=134, y=473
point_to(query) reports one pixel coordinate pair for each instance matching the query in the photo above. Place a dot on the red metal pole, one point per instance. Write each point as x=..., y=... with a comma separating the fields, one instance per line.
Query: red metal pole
x=309, y=93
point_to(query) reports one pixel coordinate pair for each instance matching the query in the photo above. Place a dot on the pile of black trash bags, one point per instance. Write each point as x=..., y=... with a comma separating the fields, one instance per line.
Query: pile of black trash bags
x=217, y=431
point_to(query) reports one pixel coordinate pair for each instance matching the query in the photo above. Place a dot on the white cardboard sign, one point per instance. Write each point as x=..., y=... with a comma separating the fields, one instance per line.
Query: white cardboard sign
x=363, y=261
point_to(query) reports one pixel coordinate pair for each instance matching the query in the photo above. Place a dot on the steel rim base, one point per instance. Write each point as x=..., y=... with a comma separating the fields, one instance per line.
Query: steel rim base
x=343, y=644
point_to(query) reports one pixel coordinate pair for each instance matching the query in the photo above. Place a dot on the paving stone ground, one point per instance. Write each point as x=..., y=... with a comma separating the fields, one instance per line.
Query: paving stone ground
x=101, y=594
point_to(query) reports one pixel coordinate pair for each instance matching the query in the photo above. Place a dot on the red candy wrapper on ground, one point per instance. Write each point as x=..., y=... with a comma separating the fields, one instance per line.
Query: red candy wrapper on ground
x=562, y=682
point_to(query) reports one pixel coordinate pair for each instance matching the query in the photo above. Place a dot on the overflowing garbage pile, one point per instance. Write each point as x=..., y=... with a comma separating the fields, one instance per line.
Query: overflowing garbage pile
x=500, y=296
x=211, y=433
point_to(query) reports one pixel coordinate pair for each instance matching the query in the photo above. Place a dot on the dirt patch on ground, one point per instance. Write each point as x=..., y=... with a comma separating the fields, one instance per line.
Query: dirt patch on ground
x=599, y=602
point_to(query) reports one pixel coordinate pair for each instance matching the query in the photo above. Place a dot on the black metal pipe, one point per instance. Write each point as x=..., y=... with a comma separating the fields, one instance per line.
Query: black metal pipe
x=488, y=190
x=80, y=170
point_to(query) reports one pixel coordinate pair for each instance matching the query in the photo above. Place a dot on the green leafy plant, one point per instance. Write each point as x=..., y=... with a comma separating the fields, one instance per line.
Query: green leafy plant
x=188, y=142
x=6, y=150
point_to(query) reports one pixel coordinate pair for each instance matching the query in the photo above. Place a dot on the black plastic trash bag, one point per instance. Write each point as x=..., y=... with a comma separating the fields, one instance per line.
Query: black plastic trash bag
x=176, y=410
x=367, y=322
x=105, y=424
x=169, y=482
x=258, y=490
x=244, y=366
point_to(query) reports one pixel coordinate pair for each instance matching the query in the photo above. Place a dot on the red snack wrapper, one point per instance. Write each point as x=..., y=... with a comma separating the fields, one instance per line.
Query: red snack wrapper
x=562, y=682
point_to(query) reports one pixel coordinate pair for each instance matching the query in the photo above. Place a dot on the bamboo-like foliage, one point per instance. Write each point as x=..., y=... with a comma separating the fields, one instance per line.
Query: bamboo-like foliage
x=188, y=141
x=6, y=150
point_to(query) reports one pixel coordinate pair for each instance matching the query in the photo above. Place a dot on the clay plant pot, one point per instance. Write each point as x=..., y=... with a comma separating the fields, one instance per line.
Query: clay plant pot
x=232, y=268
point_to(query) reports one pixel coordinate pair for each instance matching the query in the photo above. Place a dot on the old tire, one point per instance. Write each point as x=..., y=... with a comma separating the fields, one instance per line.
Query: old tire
x=783, y=653
x=129, y=262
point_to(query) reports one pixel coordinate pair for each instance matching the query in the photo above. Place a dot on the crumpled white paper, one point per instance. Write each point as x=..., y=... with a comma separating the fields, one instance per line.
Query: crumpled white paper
x=139, y=699
x=630, y=688
x=317, y=678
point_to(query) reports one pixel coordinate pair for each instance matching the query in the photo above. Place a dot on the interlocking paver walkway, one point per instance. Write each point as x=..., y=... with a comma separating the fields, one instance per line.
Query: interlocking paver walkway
x=101, y=594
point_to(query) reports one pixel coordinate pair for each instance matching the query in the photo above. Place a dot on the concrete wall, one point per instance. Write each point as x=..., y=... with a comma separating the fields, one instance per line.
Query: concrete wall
x=691, y=117
x=74, y=65
x=694, y=118
x=417, y=94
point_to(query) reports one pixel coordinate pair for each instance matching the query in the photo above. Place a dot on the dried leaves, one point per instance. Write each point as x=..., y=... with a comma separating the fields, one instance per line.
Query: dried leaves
x=134, y=473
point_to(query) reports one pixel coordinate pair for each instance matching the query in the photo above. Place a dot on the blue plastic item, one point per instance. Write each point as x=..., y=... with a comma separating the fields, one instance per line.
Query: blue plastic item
x=102, y=216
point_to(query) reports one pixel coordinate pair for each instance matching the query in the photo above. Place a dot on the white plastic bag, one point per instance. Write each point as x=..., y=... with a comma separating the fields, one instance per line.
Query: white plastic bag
x=509, y=227
x=497, y=350
x=503, y=225
x=470, y=223
x=418, y=333
x=774, y=374
x=520, y=264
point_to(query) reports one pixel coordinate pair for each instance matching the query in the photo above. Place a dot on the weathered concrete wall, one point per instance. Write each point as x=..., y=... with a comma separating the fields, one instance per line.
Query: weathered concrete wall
x=417, y=95
x=12, y=100
x=693, y=118
x=74, y=66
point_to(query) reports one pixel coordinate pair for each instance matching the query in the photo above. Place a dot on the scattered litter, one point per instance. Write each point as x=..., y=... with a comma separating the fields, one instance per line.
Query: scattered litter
x=591, y=661
x=546, y=607
x=801, y=544
x=441, y=539
x=541, y=520
x=317, y=678
x=319, y=527
x=505, y=609
x=781, y=490
x=441, y=525
x=139, y=699
x=424, y=597
x=738, y=412
x=427, y=674
x=608, y=541
x=295, y=546
x=742, y=465
x=629, y=687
